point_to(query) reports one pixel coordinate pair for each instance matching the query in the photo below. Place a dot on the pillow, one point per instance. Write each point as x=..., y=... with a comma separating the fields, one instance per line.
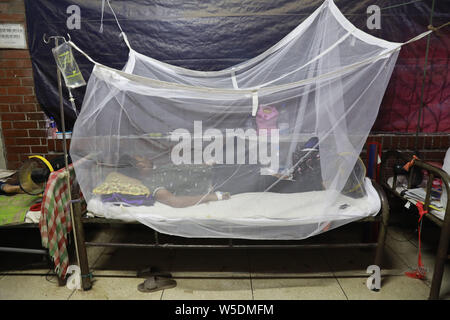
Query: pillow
x=119, y=183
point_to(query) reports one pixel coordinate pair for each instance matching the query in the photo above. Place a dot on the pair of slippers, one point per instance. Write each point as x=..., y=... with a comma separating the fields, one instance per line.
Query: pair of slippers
x=156, y=280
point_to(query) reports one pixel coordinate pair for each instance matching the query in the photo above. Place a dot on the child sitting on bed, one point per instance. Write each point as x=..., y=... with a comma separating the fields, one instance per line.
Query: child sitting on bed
x=118, y=187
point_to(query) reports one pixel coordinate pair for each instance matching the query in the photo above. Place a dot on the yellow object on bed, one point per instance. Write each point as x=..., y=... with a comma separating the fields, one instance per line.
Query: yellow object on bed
x=119, y=183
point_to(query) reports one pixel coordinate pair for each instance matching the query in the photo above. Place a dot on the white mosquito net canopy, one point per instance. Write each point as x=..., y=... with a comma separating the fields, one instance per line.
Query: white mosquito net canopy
x=267, y=149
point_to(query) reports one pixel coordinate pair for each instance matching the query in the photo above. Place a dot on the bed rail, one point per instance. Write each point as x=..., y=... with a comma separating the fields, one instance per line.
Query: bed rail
x=433, y=172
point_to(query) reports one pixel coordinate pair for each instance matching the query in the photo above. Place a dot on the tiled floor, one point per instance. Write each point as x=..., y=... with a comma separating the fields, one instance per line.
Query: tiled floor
x=241, y=274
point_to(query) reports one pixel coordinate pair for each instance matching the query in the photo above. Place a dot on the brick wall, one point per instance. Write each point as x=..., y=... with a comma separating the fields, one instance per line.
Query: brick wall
x=21, y=117
x=23, y=126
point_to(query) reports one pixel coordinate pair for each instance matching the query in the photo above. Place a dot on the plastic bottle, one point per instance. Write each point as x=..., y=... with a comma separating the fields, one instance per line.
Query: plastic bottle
x=52, y=129
x=47, y=125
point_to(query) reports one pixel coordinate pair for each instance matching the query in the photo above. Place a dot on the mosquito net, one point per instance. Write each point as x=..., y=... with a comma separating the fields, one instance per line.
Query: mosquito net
x=267, y=149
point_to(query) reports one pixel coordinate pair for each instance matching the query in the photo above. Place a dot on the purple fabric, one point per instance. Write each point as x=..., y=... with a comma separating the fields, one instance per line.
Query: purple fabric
x=129, y=199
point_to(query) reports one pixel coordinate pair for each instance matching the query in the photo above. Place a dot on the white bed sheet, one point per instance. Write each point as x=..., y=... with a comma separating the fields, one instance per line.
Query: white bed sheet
x=245, y=215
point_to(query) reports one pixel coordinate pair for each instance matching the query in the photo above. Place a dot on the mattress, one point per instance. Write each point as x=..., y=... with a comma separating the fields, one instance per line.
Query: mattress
x=250, y=215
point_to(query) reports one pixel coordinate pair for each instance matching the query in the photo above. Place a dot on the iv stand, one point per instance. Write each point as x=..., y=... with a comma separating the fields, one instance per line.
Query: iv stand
x=63, y=129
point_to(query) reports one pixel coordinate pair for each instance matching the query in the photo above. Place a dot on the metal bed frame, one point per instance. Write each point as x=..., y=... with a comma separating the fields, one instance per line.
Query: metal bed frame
x=22, y=250
x=43, y=252
x=433, y=172
x=382, y=218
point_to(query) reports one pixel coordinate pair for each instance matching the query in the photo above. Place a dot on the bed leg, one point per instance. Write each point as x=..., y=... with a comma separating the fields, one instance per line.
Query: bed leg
x=383, y=225
x=84, y=265
x=441, y=257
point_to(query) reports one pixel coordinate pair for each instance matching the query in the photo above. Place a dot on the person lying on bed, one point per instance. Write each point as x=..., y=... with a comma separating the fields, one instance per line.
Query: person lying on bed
x=9, y=189
x=119, y=187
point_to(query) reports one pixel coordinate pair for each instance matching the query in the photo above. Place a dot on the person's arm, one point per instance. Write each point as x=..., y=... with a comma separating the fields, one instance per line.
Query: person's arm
x=172, y=200
x=10, y=189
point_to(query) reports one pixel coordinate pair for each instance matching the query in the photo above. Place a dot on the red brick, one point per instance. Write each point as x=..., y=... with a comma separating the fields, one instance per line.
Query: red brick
x=12, y=17
x=15, y=54
x=4, y=107
x=24, y=107
x=10, y=82
x=36, y=116
x=13, y=116
x=38, y=133
x=25, y=124
x=436, y=142
x=18, y=73
x=403, y=142
x=39, y=149
x=428, y=142
x=445, y=142
x=27, y=141
x=23, y=157
x=27, y=81
x=9, y=141
x=14, y=165
x=411, y=142
x=433, y=155
x=22, y=91
x=394, y=142
x=17, y=149
x=59, y=145
x=3, y=91
x=15, y=133
x=12, y=157
x=29, y=99
x=11, y=99
x=6, y=125
x=386, y=142
x=51, y=145
x=420, y=142
x=15, y=64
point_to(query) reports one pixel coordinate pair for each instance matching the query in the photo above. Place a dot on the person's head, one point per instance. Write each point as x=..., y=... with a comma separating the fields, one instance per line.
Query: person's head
x=136, y=166
x=144, y=165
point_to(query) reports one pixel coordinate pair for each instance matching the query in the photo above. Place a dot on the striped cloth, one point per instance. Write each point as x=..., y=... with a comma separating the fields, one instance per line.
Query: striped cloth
x=55, y=222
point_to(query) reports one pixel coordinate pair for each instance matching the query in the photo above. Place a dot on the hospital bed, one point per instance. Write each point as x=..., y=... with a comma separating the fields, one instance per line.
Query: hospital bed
x=100, y=214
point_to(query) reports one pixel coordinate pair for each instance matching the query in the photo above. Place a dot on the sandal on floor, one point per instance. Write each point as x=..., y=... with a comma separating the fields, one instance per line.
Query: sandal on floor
x=153, y=272
x=153, y=284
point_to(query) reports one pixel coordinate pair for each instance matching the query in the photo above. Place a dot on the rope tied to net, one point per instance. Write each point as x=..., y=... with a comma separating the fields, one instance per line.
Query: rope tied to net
x=434, y=29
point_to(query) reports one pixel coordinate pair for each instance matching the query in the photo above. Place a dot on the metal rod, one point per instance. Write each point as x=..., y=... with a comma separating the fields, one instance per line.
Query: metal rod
x=214, y=246
x=63, y=127
x=23, y=250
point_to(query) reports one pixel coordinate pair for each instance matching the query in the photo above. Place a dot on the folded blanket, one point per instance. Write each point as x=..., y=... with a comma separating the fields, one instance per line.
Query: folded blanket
x=15, y=207
x=116, y=183
x=129, y=200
